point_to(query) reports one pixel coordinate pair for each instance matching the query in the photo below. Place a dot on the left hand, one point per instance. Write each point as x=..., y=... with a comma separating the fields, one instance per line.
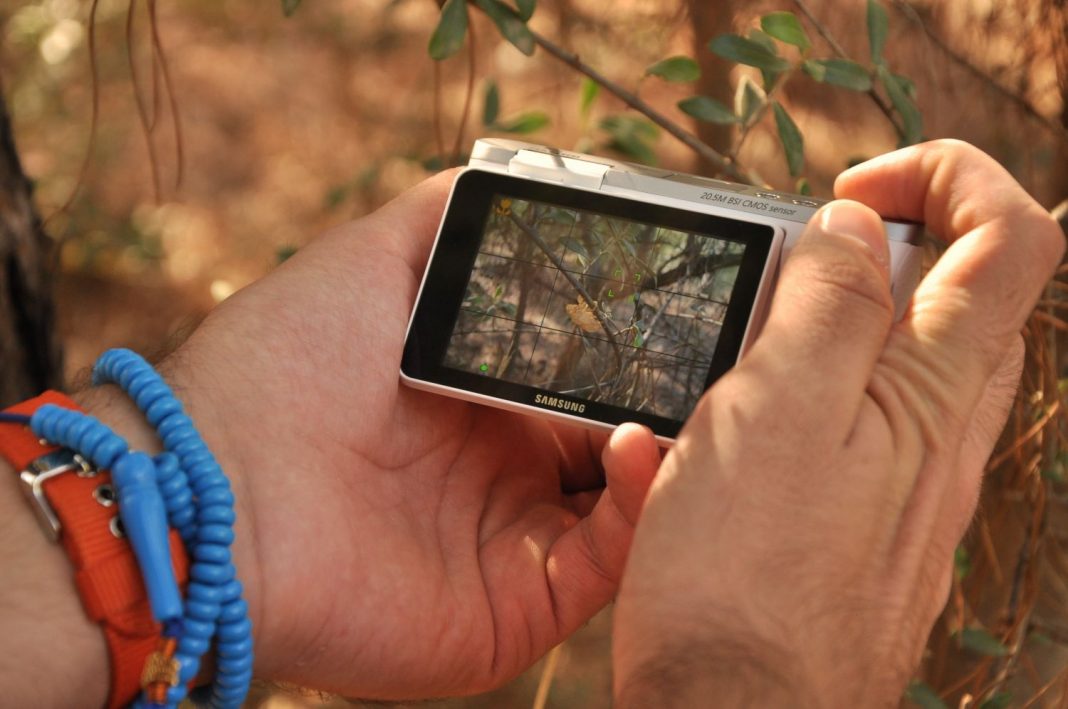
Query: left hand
x=394, y=543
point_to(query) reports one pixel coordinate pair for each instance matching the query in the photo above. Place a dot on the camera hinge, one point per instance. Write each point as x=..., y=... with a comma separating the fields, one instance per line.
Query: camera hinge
x=558, y=167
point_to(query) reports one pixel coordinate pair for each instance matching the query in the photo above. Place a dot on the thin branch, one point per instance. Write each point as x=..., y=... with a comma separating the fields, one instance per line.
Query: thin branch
x=570, y=278
x=1061, y=132
x=471, y=69
x=439, y=138
x=139, y=99
x=1060, y=213
x=94, y=87
x=172, y=100
x=824, y=32
x=732, y=169
x=546, y=680
x=1035, y=429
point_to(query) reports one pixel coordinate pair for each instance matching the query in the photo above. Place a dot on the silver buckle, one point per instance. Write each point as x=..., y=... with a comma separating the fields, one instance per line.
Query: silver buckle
x=40, y=471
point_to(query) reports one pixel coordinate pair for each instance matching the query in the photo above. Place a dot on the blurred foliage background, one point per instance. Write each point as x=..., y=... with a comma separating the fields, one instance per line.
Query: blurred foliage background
x=199, y=143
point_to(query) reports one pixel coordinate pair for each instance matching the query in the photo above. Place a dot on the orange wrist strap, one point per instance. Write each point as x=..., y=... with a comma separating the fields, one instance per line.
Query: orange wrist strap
x=106, y=573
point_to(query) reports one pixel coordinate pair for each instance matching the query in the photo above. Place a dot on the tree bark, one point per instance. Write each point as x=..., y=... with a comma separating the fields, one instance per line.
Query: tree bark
x=710, y=19
x=30, y=355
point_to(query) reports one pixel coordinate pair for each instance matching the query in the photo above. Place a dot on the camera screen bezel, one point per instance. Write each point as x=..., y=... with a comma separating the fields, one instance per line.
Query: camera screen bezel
x=455, y=251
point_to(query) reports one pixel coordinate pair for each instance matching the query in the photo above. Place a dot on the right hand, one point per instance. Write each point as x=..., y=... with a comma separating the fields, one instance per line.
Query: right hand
x=797, y=544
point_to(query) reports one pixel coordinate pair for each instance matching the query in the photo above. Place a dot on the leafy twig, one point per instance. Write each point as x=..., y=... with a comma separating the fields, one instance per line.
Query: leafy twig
x=1052, y=126
x=824, y=32
x=730, y=168
x=758, y=116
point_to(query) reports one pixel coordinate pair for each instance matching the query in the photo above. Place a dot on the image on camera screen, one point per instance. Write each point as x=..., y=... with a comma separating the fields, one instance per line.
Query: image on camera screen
x=594, y=306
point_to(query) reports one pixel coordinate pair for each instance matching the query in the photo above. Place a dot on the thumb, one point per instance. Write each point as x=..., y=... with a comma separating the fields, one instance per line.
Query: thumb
x=832, y=308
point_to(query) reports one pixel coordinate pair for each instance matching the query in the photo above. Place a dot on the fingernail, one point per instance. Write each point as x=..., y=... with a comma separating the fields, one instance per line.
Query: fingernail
x=855, y=220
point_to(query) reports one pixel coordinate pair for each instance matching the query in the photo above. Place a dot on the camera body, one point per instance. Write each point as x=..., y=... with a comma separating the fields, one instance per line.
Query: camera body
x=596, y=291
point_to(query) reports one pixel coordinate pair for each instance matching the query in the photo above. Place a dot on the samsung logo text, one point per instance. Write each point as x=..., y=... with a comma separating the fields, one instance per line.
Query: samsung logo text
x=555, y=402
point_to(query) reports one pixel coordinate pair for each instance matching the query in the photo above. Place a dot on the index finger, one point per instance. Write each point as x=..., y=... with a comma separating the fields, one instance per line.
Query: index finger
x=1003, y=248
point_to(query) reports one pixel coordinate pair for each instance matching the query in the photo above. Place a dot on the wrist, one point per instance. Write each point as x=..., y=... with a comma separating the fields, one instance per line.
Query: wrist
x=684, y=670
x=116, y=410
x=46, y=624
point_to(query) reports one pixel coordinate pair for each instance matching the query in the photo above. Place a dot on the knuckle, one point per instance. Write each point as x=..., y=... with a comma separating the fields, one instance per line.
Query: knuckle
x=954, y=149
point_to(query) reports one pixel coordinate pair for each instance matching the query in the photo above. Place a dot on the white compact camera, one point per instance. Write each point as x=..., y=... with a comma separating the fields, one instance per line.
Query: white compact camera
x=595, y=291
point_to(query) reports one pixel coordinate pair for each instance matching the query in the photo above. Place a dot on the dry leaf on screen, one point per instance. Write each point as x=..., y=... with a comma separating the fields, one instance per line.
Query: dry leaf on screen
x=582, y=315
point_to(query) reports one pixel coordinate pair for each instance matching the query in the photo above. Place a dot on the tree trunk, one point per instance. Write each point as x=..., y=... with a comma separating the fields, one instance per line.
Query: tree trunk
x=710, y=19
x=1061, y=54
x=30, y=355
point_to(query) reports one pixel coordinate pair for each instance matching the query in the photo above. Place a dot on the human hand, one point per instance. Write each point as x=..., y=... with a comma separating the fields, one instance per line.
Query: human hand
x=797, y=545
x=394, y=543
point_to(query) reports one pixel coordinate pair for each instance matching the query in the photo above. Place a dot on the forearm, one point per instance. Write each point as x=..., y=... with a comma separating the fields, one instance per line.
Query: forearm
x=51, y=654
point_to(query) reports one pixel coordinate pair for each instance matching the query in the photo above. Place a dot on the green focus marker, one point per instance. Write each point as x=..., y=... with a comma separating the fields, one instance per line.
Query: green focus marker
x=483, y=367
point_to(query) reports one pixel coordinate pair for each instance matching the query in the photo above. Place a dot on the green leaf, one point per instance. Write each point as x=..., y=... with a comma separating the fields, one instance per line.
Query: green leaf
x=491, y=103
x=448, y=37
x=336, y=195
x=1001, y=700
x=764, y=40
x=815, y=69
x=962, y=563
x=907, y=85
x=839, y=72
x=980, y=641
x=638, y=339
x=746, y=51
x=573, y=245
x=289, y=7
x=282, y=253
x=631, y=136
x=705, y=108
x=792, y=142
x=921, y=694
x=1055, y=474
x=511, y=26
x=523, y=123
x=588, y=93
x=877, y=27
x=803, y=188
x=1040, y=638
x=676, y=69
x=784, y=27
x=526, y=9
x=748, y=100
x=912, y=121
x=620, y=124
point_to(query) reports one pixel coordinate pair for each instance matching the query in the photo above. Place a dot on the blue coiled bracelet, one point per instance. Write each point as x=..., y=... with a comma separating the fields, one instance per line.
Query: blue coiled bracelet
x=184, y=488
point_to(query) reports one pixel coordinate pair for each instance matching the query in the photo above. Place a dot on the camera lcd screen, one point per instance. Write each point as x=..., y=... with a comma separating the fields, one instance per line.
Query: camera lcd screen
x=591, y=305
